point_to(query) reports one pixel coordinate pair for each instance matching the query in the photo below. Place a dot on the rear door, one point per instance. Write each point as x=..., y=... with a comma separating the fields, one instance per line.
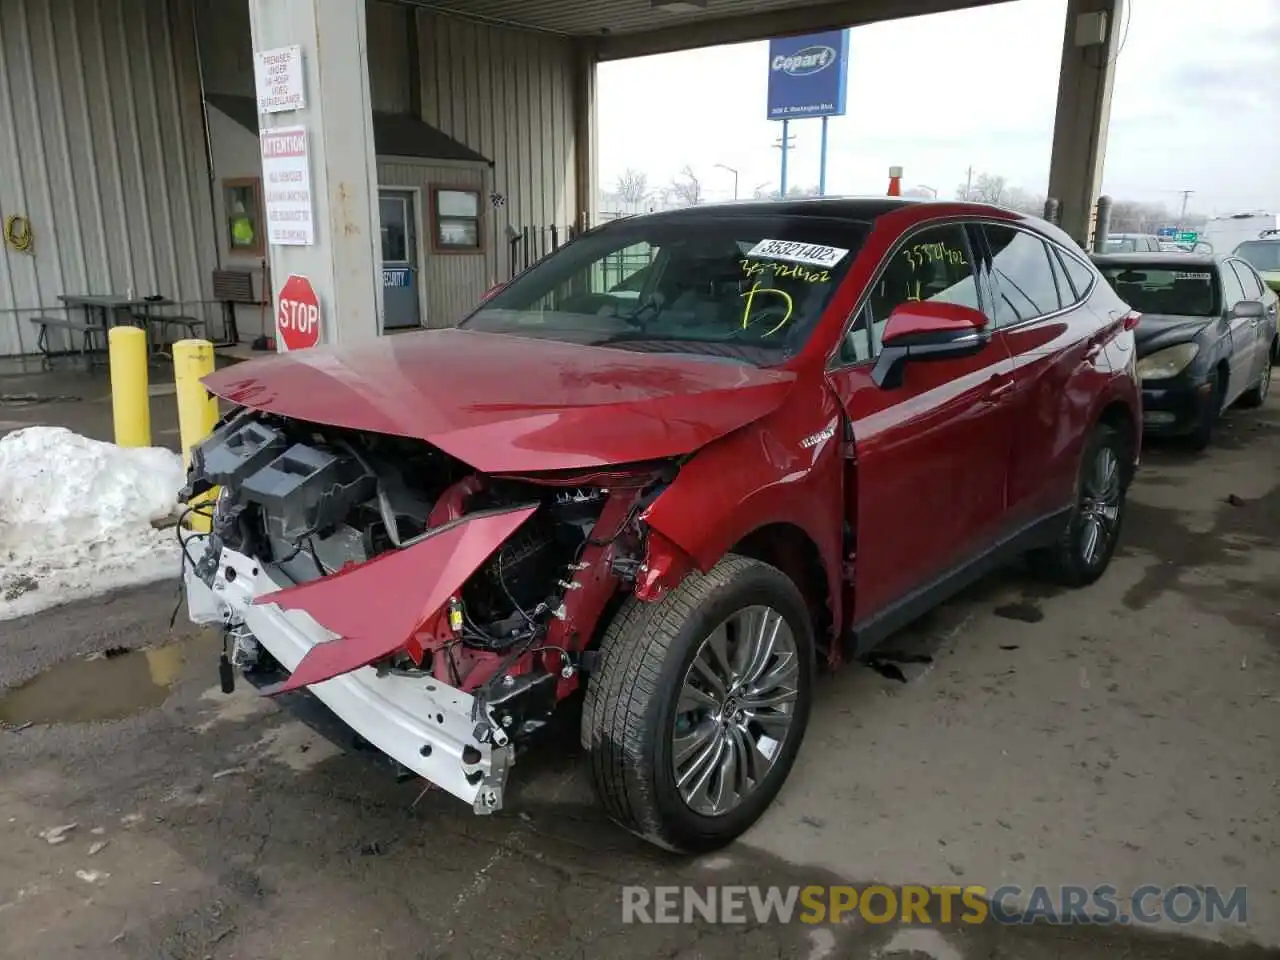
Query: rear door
x=1264, y=329
x=1039, y=310
x=1244, y=335
x=927, y=479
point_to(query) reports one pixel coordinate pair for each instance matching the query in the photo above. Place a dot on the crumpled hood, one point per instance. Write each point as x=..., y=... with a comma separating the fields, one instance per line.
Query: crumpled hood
x=1157, y=331
x=511, y=404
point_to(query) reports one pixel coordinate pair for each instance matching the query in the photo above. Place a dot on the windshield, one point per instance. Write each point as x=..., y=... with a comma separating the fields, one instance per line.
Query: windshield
x=1164, y=289
x=744, y=287
x=1123, y=245
x=1262, y=255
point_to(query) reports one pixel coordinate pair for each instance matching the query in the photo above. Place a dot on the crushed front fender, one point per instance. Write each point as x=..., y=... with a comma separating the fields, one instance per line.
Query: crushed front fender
x=374, y=608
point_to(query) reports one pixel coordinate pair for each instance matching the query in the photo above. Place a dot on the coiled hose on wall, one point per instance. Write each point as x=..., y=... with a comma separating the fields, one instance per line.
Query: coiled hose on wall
x=17, y=233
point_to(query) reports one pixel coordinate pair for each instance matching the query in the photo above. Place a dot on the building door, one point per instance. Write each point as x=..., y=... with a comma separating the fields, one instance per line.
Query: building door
x=401, y=303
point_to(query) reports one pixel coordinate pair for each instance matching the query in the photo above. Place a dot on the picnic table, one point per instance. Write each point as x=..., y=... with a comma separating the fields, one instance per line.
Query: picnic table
x=102, y=311
x=101, y=308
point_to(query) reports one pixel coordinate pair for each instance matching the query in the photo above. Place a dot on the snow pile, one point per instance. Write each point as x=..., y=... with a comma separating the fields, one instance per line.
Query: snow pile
x=76, y=517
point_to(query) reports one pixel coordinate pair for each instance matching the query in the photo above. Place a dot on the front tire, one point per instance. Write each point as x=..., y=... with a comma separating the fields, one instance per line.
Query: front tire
x=1084, y=550
x=1202, y=435
x=700, y=700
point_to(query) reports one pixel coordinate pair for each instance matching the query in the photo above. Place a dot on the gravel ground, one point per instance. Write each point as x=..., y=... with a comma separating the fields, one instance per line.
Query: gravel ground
x=1125, y=734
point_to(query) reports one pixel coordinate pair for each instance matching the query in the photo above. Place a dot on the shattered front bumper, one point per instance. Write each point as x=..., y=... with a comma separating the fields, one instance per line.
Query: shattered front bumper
x=423, y=724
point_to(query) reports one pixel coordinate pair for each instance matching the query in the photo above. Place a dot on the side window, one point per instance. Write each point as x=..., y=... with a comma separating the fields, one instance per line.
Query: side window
x=1066, y=296
x=1021, y=275
x=1081, y=276
x=856, y=345
x=1251, y=282
x=1232, y=289
x=933, y=264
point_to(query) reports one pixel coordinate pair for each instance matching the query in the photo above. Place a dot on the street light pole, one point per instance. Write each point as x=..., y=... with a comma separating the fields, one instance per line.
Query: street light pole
x=735, y=178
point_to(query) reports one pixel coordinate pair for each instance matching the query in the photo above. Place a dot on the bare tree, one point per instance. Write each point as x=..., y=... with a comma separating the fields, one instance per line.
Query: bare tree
x=985, y=188
x=1024, y=201
x=632, y=187
x=686, y=188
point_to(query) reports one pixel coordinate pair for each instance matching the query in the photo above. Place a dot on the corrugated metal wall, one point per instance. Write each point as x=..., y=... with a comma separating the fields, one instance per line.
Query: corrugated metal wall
x=454, y=281
x=509, y=95
x=102, y=149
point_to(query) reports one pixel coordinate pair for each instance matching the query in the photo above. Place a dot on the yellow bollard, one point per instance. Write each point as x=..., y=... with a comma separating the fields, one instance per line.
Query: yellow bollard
x=130, y=402
x=197, y=409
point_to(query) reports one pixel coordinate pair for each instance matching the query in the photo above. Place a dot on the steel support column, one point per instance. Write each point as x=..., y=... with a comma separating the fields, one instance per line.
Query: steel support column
x=585, y=133
x=1090, y=45
x=344, y=262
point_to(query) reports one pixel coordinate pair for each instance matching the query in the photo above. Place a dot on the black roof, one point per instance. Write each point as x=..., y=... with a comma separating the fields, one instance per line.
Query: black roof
x=1151, y=259
x=843, y=208
x=394, y=135
x=851, y=208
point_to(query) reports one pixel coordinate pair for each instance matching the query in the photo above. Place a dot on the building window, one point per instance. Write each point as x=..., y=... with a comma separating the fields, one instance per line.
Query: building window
x=242, y=198
x=457, y=219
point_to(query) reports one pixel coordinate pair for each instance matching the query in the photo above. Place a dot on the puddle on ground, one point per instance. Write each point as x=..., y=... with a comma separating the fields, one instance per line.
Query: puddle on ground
x=103, y=688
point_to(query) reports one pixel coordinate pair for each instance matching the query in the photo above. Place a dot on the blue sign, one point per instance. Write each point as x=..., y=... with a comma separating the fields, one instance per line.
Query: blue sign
x=395, y=277
x=1170, y=232
x=808, y=75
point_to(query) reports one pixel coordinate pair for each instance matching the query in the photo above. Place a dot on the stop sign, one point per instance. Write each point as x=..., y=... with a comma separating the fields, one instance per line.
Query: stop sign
x=298, y=314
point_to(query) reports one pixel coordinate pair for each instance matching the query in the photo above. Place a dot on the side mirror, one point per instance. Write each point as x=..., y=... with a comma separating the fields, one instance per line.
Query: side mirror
x=922, y=330
x=1248, y=310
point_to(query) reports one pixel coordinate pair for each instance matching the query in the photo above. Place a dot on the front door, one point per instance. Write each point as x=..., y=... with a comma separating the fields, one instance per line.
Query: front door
x=926, y=486
x=400, y=295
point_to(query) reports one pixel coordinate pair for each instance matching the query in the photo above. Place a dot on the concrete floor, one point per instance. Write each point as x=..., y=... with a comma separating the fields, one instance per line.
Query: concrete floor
x=1124, y=734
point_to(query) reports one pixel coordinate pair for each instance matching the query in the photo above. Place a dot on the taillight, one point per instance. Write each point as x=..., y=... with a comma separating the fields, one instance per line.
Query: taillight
x=1131, y=320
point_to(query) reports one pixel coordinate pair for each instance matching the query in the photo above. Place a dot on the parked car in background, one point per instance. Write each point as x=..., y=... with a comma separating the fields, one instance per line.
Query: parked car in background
x=1173, y=246
x=1263, y=255
x=1205, y=340
x=800, y=427
x=1132, y=243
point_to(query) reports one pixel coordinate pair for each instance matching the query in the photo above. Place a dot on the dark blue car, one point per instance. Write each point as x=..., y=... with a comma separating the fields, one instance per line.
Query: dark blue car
x=1206, y=338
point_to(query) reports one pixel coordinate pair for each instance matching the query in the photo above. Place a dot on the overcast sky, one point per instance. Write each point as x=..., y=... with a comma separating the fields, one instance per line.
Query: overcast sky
x=1196, y=106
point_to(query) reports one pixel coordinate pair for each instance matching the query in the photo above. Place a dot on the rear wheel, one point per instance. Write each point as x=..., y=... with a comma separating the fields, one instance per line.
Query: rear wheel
x=1256, y=395
x=1084, y=550
x=695, y=714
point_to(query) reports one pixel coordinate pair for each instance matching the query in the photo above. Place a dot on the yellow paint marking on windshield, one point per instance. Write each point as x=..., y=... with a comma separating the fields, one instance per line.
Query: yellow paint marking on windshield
x=754, y=268
x=750, y=297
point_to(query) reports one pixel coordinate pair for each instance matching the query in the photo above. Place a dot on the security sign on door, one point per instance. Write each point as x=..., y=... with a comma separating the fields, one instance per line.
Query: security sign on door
x=298, y=314
x=400, y=304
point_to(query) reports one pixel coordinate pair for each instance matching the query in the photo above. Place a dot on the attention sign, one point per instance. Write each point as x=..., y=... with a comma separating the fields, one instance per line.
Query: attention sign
x=278, y=78
x=286, y=187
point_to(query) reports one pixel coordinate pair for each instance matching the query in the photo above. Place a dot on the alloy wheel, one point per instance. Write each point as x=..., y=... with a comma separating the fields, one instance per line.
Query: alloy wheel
x=735, y=710
x=1100, y=506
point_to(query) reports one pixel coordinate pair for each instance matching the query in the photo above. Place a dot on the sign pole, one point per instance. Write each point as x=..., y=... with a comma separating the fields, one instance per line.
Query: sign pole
x=822, y=163
x=808, y=78
x=783, y=178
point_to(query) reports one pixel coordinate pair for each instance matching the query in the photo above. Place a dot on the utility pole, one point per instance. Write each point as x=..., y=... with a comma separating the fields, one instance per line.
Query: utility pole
x=735, y=178
x=784, y=143
x=968, y=184
x=1182, y=217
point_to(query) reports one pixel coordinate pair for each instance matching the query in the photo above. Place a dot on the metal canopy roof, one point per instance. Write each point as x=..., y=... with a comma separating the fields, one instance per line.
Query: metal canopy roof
x=628, y=28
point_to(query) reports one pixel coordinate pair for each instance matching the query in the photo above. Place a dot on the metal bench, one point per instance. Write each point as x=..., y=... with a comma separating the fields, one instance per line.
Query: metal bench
x=86, y=331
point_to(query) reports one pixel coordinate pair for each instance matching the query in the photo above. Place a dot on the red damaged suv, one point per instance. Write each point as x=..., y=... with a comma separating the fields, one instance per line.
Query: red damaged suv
x=678, y=464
